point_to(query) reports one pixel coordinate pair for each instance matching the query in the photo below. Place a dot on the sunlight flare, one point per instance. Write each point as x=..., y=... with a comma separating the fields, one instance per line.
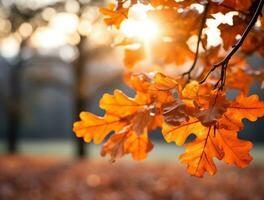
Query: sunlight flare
x=138, y=24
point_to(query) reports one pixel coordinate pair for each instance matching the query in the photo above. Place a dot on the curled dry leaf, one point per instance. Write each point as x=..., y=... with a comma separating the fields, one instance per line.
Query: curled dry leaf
x=217, y=105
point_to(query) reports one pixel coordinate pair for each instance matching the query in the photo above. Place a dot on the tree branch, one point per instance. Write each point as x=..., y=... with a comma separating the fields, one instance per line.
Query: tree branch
x=224, y=63
x=198, y=42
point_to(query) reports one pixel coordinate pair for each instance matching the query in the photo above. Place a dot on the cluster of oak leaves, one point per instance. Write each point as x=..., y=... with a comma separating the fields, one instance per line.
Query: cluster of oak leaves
x=182, y=106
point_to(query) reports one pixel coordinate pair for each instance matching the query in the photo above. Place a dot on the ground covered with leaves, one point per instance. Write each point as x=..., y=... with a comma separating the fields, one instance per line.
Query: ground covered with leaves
x=45, y=178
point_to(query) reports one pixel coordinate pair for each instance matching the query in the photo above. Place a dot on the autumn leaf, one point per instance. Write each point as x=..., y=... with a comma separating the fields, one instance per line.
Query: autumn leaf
x=242, y=108
x=164, y=83
x=240, y=74
x=163, y=89
x=246, y=107
x=157, y=86
x=215, y=143
x=195, y=95
x=236, y=151
x=129, y=118
x=174, y=113
x=127, y=142
x=114, y=17
x=139, y=82
x=115, y=146
x=240, y=5
x=92, y=127
x=138, y=146
x=217, y=105
x=229, y=33
x=119, y=104
x=200, y=153
x=180, y=133
x=168, y=3
x=133, y=56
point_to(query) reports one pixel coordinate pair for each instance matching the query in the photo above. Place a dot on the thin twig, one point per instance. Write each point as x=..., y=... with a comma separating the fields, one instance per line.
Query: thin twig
x=198, y=42
x=224, y=63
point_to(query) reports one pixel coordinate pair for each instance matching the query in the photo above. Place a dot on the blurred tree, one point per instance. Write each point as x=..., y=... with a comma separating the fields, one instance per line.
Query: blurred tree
x=21, y=20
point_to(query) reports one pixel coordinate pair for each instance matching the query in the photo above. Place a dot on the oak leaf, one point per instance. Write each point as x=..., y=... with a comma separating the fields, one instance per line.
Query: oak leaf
x=127, y=142
x=174, y=113
x=236, y=151
x=119, y=104
x=113, y=16
x=217, y=105
x=229, y=33
x=200, y=153
x=180, y=133
x=240, y=5
x=242, y=108
x=215, y=143
x=133, y=56
x=92, y=127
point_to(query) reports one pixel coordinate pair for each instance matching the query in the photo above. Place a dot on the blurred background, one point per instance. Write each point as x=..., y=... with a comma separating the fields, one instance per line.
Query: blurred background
x=56, y=60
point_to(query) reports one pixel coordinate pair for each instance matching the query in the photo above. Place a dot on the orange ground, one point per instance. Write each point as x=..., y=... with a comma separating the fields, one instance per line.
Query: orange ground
x=28, y=178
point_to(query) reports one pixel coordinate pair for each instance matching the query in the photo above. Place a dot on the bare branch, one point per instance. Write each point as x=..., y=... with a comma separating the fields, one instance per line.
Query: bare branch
x=198, y=42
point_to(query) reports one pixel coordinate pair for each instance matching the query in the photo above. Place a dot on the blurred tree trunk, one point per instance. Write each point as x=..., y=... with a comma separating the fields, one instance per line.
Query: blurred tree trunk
x=14, y=104
x=80, y=100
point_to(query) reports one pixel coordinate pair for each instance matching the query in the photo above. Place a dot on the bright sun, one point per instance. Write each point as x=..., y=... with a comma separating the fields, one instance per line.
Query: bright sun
x=139, y=25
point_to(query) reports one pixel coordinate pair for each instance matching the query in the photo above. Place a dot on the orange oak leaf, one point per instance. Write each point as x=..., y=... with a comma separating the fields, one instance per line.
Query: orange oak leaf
x=119, y=104
x=115, y=146
x=195, y=95
x=246, y=107
x=242, y=108
x=157, y=86
x=240, y=74
x=167, y=3
x=114, y=17
x=129, y=118
x=180, y=133
x=240, y=5
x=127, y=142
x=200, y=153
x=132, y=56
x=138, y=146
x=92, y=127
x=215, y=143
x=236, y=151
x=163, y=88
x=229, y=33
x=139, y=82
x=164, y=83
